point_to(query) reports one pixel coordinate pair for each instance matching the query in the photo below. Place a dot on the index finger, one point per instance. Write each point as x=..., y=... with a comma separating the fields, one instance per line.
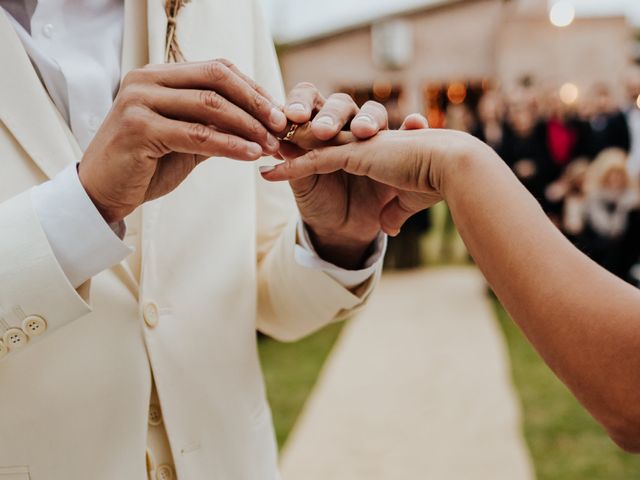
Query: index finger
x=315, y=162
x=252, y=83
x=167, y=78
x=218, y=77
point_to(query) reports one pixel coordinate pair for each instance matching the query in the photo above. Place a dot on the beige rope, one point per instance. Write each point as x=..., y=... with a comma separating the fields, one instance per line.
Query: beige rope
x=173, y=53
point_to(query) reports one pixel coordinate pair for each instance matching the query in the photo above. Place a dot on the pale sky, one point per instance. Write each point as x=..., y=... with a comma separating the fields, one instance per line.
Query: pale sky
x=293, y=19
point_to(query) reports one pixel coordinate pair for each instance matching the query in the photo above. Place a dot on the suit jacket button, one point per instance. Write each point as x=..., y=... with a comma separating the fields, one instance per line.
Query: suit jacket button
x=14, y=338
x=34, y=325
x=150, y=314
x=155, y=415
x=164, y=472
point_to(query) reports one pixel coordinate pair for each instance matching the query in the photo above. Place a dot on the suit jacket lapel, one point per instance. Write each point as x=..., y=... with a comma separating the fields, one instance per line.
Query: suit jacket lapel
x=157, y=27
x=26, y=109
x=135, y=51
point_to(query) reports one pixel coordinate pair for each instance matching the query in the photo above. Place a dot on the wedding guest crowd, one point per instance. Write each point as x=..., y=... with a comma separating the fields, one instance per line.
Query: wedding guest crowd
x=581, y=160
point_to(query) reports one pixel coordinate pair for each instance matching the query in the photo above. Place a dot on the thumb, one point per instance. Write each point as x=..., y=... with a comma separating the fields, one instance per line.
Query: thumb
x=394, y=215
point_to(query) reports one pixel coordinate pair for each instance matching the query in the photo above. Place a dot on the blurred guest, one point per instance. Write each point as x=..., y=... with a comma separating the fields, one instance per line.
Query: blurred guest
x=574, y=201
x=611, y=199
x=562, y=132
x=607, y=125
x=524, y=145
x=632, y=112
x=568, y=191
x=490, y=128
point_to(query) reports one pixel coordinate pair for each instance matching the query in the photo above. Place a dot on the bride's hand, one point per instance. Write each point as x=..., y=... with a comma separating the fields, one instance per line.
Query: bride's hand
x=414, y=162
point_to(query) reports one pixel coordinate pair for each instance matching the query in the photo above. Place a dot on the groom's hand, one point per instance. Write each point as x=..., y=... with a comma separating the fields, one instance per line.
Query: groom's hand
x=336, y=208
x=168, y=118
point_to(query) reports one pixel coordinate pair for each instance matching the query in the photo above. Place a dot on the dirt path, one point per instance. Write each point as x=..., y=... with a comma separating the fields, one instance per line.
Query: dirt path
x=417, y=388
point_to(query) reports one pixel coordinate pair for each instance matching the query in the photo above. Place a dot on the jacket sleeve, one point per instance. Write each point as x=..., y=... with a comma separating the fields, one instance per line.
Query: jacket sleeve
x=293, y=301
x=36, y=297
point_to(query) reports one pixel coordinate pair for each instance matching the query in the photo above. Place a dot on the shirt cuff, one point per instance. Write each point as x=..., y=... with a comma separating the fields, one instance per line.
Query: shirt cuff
x=82, y=242
x=306, y=256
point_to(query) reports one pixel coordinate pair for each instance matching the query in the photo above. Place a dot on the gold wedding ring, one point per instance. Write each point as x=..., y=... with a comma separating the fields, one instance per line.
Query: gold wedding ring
x=288, y=137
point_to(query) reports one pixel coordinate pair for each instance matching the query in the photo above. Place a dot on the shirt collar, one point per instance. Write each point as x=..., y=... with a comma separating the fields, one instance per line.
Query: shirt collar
x=21, y=10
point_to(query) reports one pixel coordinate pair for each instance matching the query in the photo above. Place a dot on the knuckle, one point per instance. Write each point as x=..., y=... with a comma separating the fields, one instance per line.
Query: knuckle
x=373, y=105
x=349, y=159
x=134, y=120
x=314, y=157
x=211, y=100
x=125, y=100
x=224, y=61
x=152, y=68
x=256, y=128
x=215, y=71
x=259, y=102
x=232, y=143
x=305, y=86
x=137, y=75
x=342, y=98
x=131, y=95
x=198, y=133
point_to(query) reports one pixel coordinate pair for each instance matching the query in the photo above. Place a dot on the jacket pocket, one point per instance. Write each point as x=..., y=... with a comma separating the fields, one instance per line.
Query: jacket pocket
x=14, y=473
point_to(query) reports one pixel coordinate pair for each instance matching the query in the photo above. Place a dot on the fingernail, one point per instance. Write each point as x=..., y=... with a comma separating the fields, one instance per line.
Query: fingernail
x=277, y=118
x=364, y=118
x=267, y=169
x=324, y=120
x=272, y=142
x=296, y=107
x=254, y=150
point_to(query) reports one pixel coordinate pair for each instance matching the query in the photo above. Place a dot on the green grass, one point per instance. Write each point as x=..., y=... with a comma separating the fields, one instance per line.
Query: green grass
x=565, y=442
x=290, y=372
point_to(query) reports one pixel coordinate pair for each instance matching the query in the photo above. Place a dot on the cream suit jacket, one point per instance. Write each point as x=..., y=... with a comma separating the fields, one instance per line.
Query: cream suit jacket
x=217, y=263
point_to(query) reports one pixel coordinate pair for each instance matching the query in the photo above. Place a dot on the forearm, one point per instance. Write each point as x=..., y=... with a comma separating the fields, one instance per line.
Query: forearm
x=581, y=319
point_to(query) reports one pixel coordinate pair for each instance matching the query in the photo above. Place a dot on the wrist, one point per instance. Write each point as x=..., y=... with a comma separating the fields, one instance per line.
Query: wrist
x=344, y=251
x=459, y=164
x=110, y=215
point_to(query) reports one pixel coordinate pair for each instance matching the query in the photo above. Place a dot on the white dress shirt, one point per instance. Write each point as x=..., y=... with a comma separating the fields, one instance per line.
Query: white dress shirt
x=76, y=48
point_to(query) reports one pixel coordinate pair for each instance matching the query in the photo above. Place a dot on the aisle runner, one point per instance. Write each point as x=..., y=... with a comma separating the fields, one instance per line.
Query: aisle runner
x=418, y=388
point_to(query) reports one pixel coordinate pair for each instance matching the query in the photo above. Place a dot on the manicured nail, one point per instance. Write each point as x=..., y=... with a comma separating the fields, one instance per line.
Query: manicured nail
x=324, y=120
x=272, y=142
x=254, y=150
x=364, y=118
x=266, y=169
x=277, y=118
x=296, y=107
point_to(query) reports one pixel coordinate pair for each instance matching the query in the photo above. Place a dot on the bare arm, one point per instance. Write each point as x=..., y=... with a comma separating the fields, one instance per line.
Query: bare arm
x=584, y=321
